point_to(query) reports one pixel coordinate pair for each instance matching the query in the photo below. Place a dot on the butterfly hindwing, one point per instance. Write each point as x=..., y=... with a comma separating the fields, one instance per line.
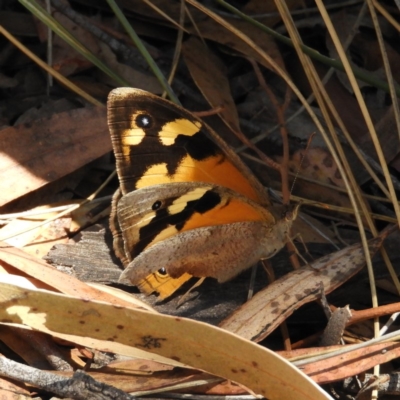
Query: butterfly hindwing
x=152, y=214
x=219, y=251
x=190, y=228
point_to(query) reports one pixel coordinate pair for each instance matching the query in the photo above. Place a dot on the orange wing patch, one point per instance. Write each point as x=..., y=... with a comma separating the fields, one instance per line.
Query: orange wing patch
x=215, y=170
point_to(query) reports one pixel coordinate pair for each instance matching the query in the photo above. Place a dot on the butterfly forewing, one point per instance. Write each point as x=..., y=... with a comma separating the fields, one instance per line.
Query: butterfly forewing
x=157, y=142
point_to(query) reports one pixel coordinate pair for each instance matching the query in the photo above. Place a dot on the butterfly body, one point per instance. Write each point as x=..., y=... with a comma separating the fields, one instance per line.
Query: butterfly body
x=187, y=205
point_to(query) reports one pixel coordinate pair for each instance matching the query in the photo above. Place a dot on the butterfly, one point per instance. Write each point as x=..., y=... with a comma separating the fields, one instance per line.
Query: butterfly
x=186, y=204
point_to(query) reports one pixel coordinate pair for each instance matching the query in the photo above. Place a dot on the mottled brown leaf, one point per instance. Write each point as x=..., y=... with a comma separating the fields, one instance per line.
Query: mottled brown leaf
x=193, y=343
x=32, y=155
x=208, y=72
x=257, y=318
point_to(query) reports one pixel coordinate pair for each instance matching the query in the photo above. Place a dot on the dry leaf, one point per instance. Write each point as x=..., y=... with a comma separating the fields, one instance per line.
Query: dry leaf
x=210, y=29
x=25, y=349
x=257, y=318
x=37, y=240
x=30, y=154
x=45, y=276
x=134, y=77
x=354, y=362
x=42, y=275
x=66, y=59
x=12, y=391
x=208, y=73
x=193, y=343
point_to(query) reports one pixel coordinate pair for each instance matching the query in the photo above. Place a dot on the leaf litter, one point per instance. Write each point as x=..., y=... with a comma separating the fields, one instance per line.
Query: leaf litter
x=60, y=156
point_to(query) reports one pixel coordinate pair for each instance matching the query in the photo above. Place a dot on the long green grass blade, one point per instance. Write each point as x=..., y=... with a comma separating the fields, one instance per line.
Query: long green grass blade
x=39, y=12
x=135, y=38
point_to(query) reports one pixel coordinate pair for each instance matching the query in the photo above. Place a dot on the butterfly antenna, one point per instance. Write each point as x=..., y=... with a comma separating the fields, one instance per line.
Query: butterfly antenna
x=301, y=160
